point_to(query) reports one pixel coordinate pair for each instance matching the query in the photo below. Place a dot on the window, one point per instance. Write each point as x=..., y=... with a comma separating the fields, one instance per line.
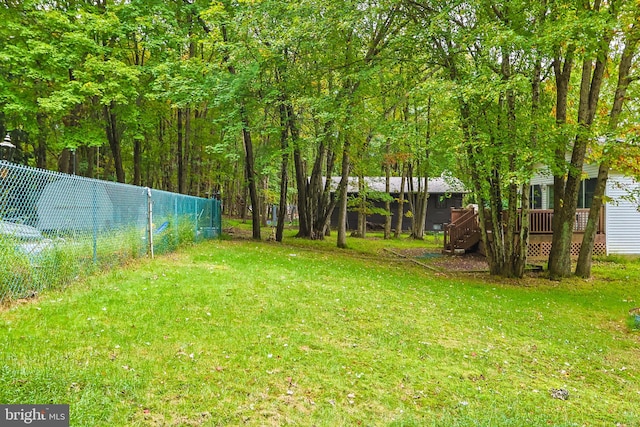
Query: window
x=535, y=197
x=585, y=194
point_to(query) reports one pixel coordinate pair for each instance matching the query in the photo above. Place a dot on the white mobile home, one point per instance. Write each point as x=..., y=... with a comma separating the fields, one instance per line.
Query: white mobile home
x=620, y=233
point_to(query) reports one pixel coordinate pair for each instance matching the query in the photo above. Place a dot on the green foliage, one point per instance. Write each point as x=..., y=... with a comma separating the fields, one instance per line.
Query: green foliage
x=58, y=266
x=179, y=232
x=389, y=77
x=16, y=272
x=26, y=270
x=366, y=201
x=29, y=267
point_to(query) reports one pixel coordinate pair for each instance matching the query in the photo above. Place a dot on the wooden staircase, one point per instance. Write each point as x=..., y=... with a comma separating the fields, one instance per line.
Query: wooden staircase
x=462, y=234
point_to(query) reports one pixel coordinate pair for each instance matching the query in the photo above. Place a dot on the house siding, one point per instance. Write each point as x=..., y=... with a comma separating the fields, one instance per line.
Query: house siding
x=544, y=177
x=622, y=219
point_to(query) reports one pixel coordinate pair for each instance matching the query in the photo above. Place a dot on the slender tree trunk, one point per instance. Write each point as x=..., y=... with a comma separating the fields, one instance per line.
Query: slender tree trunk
x=424, y=197
x=387, y=190
x=342, y=213
x=180, y=154
x=322, y=205
x=114, y=140
x=137, y=161
x=421, y=210
x=41, y=146
x=91, y=161
x=248, y=152
x=265, y=209
x=362, y=207
x=186, y=150
x=165, y=156
x=315, y=201
x=250, y=174
x=137, y=143
x=284, y=171
x=522, y=242
x=64, y=161
x=515, y=248
x=520, y=251
x=302, y=183
x=400, y=213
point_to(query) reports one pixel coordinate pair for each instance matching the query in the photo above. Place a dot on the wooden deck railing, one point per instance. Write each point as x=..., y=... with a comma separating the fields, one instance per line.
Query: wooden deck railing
x=541, y=220
x=464, y=228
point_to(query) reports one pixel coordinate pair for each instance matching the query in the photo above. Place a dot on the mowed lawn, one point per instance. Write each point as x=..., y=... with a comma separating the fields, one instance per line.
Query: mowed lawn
x=250, y=333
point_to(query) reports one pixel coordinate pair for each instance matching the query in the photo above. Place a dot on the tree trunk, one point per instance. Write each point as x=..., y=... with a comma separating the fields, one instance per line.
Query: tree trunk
x=284, y=173
x=304, y=229
x=137, y=162
x=114, y=140
x=186, y=149
x=91, y=161
x=520, y=251
x=387, y=203
x=180, y=154
x=591, y=82
x=424, y=197
x=250, y=174
x=583, y=267
x=420, y=210
x=515, y=247
x=400, y=213
x=165, y=156
x=318, y=203
x=64, y=161
x=41, y=146
x=362, y=207
x=562, y=72
x=265, y=209
x=522, y=242
x=342, y=213
x=320, y=200
x=560, y=264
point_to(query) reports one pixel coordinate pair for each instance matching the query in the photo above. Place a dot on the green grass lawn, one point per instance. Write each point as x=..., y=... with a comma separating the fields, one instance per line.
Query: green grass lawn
x=256, y=333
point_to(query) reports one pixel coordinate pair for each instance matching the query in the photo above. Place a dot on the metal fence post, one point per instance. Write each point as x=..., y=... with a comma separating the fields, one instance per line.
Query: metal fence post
x=213, y=212
x=175, y=209
x=195, y=234
x=150, y=222
x=95, y=223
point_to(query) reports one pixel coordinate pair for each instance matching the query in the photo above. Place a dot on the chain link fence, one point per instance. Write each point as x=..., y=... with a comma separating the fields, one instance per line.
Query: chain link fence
x=55, y=227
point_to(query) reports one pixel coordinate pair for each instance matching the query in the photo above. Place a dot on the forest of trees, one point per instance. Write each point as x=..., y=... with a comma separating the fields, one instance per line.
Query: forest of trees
x=258, y=100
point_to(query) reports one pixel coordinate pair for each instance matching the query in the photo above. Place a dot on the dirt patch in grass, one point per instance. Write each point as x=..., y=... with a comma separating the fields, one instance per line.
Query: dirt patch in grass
x=447, y=263
x=466, y=262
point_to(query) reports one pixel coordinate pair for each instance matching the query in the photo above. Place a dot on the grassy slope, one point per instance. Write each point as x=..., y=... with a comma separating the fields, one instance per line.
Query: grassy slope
x=230, y=333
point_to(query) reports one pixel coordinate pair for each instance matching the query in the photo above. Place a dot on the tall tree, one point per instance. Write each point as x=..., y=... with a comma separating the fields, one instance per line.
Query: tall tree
x=594, y=64
x=631, y=40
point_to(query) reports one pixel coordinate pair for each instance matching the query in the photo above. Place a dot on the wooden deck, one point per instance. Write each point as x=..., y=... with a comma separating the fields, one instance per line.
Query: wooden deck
x=463, y=233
